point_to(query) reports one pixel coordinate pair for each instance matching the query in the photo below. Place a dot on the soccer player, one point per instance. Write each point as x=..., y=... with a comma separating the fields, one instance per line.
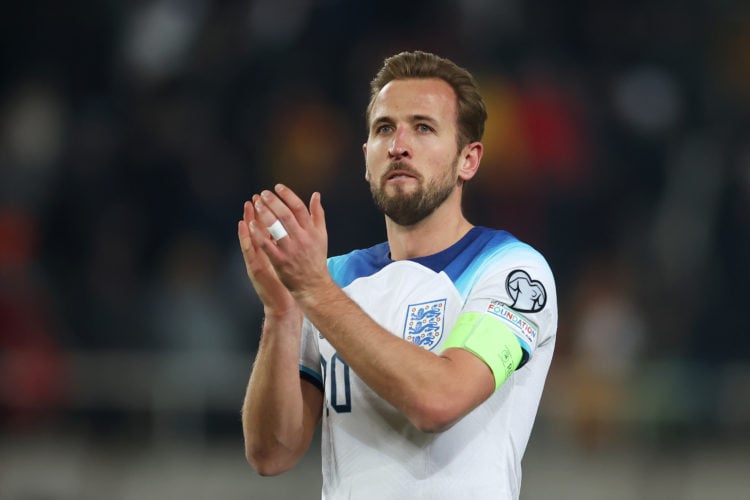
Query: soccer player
x=425, y=356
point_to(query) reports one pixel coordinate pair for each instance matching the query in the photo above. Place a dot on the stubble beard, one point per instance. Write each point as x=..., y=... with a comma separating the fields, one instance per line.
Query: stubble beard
x=409, y=208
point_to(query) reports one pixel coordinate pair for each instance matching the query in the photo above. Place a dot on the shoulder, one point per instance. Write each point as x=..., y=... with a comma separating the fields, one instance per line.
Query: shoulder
x=493, y=248
x=358, y=263
x=498, y=256
x=512, y=279
x=497, y=242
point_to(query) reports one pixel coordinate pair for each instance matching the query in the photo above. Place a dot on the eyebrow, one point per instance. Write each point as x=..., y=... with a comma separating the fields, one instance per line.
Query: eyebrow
x=410, y=118
x=423, y=118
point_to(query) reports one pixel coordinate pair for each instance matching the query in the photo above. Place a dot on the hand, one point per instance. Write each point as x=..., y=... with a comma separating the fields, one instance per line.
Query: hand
x=299, y=258
x=275, y=297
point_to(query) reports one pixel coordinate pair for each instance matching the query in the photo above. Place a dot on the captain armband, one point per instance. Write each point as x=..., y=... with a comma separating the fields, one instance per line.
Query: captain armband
x=491, y=340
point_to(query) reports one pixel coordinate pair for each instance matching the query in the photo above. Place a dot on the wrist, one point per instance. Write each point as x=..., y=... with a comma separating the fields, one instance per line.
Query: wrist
x=289, y=313
x=314, y=293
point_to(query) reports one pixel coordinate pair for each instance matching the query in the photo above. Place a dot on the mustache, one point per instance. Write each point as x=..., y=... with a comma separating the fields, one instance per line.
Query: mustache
x=401, y=166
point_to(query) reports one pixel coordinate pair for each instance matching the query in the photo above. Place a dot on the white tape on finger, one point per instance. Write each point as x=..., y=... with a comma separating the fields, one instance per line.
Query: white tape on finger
x=277, y=230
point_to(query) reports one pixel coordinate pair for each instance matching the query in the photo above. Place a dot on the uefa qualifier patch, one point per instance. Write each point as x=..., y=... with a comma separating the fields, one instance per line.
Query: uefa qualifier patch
x=424, y=323
x=528, y=294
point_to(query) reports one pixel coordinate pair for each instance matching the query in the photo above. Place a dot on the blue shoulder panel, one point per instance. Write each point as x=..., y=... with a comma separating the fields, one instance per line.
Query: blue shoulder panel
x=493, y=250
x=475, y=246
x=357, y=264
x=460, y=261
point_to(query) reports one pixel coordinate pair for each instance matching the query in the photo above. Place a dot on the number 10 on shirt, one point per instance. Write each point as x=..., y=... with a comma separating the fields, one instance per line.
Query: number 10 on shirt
x=341, y=396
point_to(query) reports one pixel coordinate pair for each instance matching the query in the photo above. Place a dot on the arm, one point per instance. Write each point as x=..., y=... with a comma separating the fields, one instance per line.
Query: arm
x=433, y=392
x=280, y=411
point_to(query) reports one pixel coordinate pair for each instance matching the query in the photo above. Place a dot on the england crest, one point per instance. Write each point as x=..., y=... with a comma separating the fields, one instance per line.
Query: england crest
x=424, y=322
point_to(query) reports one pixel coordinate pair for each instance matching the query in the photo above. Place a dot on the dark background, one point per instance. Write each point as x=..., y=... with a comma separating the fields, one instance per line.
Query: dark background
x=132, y=132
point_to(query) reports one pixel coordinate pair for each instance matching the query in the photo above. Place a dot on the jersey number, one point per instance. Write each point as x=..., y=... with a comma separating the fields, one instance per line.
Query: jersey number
x=342, y=403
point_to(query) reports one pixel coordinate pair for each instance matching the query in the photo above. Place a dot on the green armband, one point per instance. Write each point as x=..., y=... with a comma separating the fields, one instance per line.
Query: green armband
x=490, y=339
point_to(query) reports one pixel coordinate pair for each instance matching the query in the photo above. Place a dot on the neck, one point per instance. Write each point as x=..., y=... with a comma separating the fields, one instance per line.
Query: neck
x=441, y=229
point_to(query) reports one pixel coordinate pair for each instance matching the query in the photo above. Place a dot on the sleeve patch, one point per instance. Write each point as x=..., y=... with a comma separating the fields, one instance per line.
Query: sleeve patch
x=525, y=329
x=528, y=294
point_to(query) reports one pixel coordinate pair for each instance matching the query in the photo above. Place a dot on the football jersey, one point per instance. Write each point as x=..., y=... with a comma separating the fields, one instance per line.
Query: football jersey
x=369, y=449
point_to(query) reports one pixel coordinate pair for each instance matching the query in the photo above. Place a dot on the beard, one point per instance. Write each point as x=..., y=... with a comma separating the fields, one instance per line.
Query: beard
x=407, y=209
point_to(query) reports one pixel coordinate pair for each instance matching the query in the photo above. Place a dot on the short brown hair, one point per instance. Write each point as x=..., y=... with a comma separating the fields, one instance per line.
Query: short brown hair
x=471, y=111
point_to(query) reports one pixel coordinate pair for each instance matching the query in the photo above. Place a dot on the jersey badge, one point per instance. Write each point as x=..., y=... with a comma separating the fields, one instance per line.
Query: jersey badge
x=424, y=322
x=528, y=294
x=524, y=328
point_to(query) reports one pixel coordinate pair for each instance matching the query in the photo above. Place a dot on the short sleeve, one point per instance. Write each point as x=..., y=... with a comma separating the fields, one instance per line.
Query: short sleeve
x=517, y=286
x=309, y=362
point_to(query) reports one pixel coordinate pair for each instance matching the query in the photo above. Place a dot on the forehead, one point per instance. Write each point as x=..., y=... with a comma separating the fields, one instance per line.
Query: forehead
x=404, y=98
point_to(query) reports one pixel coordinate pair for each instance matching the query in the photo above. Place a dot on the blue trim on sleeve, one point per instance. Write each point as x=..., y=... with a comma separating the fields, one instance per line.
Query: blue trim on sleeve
x=309, y=375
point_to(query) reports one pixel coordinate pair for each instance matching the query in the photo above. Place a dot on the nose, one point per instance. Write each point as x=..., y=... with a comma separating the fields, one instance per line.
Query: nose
x=399, y=146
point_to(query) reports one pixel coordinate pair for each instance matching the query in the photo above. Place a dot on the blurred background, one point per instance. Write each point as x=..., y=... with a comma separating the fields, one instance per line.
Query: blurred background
x=132, y=132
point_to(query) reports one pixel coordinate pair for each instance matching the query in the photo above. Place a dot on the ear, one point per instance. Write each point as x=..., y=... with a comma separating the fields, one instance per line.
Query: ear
x=367, y=171
x=472, y=155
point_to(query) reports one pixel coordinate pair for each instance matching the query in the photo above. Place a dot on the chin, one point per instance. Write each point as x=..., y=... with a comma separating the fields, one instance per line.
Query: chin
x=399, y=189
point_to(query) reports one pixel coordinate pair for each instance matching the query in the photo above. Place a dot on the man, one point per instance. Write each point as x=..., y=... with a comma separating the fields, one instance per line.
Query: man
x=425, y=355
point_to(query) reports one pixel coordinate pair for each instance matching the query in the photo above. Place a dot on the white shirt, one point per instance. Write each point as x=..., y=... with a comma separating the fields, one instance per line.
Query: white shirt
x=369, y=449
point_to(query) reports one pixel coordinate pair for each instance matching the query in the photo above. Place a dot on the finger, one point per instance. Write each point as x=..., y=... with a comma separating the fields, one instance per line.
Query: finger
x=295, y=218
x=264, y=216
x=317, y=213
x=264, y=242
x=250, y=249
x=248, y=213
x=243, y=234
x=253, y=258
x=280, y=223
x=295, y=204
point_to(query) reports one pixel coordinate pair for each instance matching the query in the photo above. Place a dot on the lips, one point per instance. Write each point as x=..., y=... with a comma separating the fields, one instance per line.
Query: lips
x=400, y=172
